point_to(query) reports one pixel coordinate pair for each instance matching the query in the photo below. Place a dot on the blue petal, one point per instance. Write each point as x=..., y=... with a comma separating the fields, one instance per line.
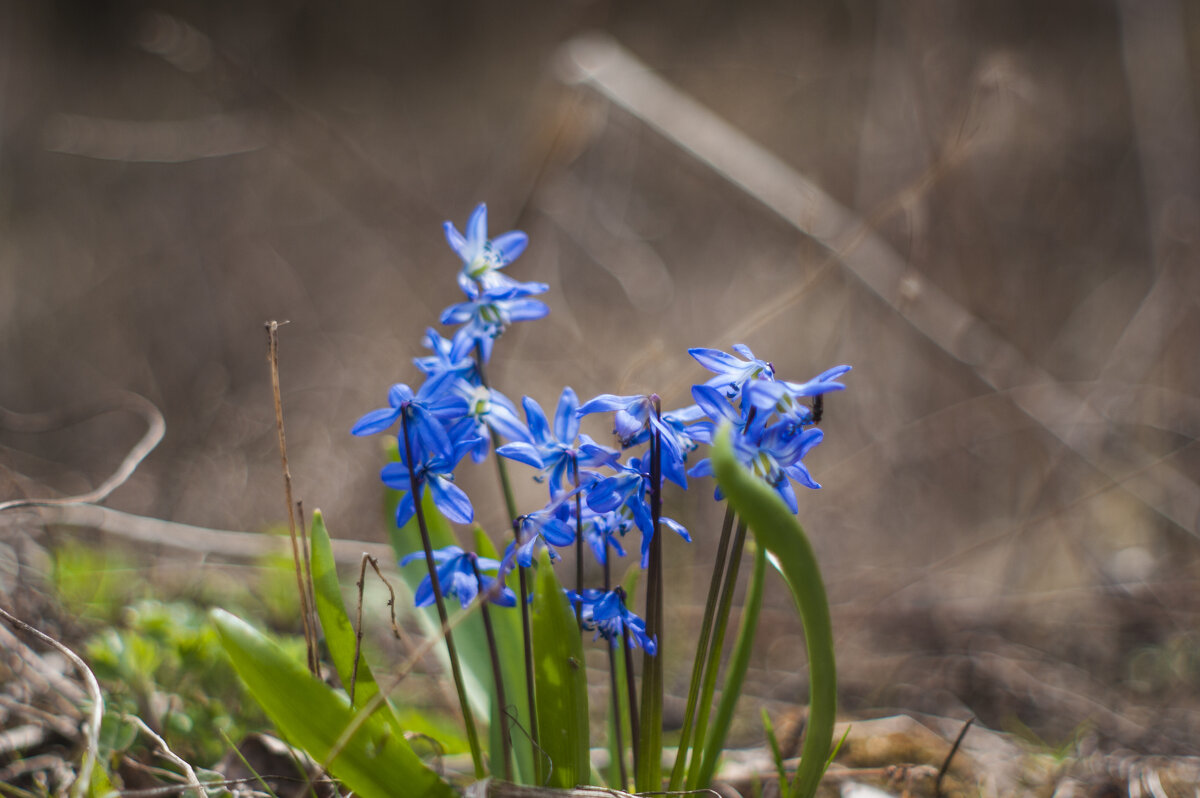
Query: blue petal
x=566, y=423
x=457, y=314
x=605, y=496
x=456, y=240
x=424, y=595
x=521, y=452
x=714, y=403
x=375, y=421
x=527, y=309
x=398, y=394
x=539, y=428
x=676, y=527
x=405, y=509
x=558, y=533
x=503, y=419
x=477, y=226
x=716, y=360
x=604, y=403
x=451, y=500
x=785, y=489
x=396, y=476
x=799, y=472
x=510, y=245
x=764, y=395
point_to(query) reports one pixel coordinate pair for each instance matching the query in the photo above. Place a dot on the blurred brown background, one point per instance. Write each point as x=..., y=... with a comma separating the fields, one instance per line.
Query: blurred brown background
x=1010, y=513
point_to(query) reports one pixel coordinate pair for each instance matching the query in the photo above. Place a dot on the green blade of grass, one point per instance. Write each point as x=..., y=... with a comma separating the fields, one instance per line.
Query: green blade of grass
x=313, y=716
x=562, y=701
x=777, y=530
x=739, y=661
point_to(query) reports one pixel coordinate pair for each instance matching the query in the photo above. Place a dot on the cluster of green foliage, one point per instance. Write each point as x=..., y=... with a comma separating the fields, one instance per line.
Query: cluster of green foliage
x=157, y=656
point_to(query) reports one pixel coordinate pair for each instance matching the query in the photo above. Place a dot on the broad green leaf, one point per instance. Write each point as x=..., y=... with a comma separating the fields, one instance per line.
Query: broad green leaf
x=340, y=635
x=312, y=715
x=561, y=680
x=470, y=636
x=778, y=531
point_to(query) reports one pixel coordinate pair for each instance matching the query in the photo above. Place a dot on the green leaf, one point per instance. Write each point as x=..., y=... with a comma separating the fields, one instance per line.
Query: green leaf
x=313, y=716
x=561, y=679
x=778, y=531
x=470, y=636
x=340, y=636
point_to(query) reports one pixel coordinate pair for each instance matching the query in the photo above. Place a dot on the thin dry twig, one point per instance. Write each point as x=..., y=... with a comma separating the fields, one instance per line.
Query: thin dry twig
x=358, y=624
x=58, y=419
x=166, y=753
x=92, y=729
x=310, y=637
x=937, y=783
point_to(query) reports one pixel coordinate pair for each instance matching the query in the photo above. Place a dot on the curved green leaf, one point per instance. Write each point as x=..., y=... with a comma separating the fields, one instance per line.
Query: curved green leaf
x=340, y=636
x=312, y=715
x=778, y=531
x=561, y=679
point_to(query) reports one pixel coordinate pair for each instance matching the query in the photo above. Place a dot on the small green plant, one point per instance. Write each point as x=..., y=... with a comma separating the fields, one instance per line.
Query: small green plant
x=515, y=653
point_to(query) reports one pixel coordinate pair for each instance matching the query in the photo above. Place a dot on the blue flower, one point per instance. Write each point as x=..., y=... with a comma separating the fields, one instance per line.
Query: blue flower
x=603, y=531
x=434, y=470
x=547, y=527
x=554, y=451
x=773, y=455
x=634, y=417
x=607, y=614
x=487, y=408
x=481, y=257
x=626, y=490
x=432, y=404
x=449, y=355
x=456, y=575
x=783, y=397
x=732, y=372
x=488, y=313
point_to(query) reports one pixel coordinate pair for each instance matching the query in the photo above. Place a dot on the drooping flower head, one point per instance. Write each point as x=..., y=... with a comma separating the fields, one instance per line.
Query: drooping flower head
x=633, y=419
x=432, y=470
x=606, y=613
x=626, y=491
x=732, y=373
x=457, y=576
x=545, y=528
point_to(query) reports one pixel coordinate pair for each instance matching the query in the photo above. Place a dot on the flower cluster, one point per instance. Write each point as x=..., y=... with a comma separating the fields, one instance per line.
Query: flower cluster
x=597, y=494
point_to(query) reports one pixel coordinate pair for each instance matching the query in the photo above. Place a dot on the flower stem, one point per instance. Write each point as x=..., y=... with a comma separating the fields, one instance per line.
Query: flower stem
x=579, y=541
x=649, y=772
x=497, y=674
x=710, y=606
x=510, y=505
x=452, y=652
x=718, y=641
x=527, y=638
x=631, y=693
